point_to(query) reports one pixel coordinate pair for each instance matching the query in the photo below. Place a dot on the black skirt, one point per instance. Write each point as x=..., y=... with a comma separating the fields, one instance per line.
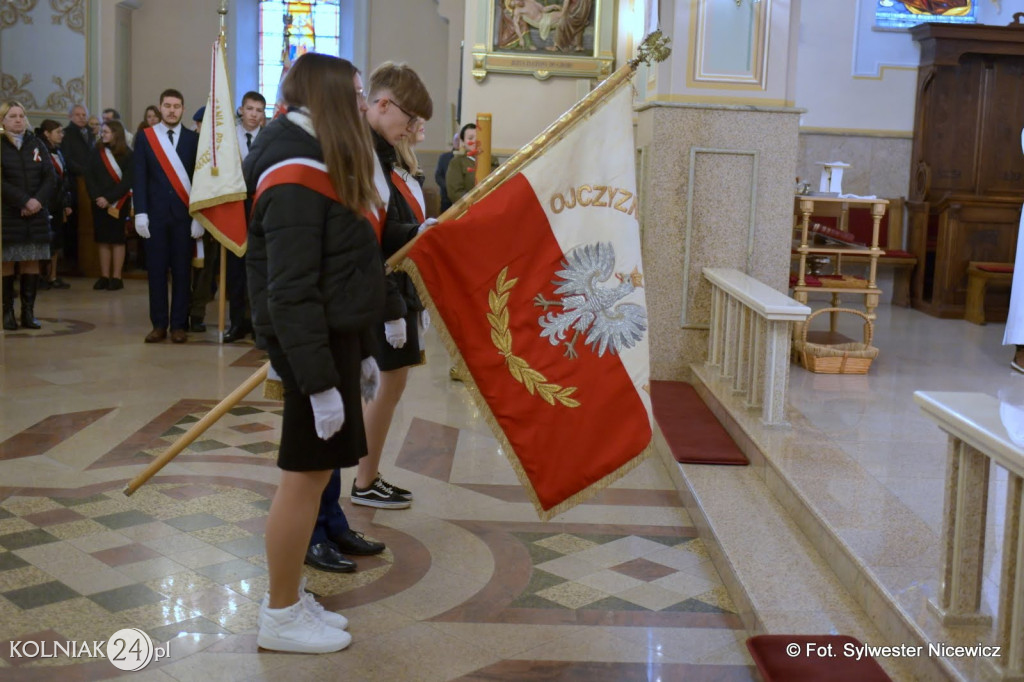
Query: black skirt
x=301, y=449
x=106, y=228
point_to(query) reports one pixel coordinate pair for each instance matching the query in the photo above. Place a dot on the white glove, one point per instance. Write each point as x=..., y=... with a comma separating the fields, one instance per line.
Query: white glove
x=369, y=379
x=426, y=223
x=271, y=374
x=395, y=332
x=424, y=319
x=142, y=225
x=328, y=412
x=197, y=229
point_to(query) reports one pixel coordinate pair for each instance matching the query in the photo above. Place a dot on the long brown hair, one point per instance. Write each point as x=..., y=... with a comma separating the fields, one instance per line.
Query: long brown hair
x=120, y=144
x=325, y=86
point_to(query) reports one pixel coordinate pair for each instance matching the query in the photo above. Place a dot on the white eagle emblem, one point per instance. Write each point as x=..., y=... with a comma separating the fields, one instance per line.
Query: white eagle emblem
x=586, y=305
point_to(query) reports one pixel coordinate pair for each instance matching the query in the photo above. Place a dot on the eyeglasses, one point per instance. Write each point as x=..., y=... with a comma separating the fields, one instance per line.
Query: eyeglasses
x=413, y=121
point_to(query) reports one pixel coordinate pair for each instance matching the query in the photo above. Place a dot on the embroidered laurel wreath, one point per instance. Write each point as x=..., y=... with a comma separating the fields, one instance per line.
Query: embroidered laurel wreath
x=534, y=381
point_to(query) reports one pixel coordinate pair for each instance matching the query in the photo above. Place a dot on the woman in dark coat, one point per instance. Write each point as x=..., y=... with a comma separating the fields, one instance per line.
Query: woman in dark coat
x=316, y=284
x=51, y=132
x=28, y=183
x=109, y=181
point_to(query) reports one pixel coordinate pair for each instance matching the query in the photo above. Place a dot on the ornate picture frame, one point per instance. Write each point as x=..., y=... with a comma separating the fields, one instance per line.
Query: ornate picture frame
x=544, y=38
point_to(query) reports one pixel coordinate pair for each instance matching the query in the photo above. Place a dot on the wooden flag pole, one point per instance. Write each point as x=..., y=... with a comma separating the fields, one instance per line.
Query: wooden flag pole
x=198, y=429
x=483, y=145
x=654, y=47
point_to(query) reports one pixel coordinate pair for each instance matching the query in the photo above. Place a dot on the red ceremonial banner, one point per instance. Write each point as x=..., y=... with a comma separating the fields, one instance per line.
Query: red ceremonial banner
x=570, y=421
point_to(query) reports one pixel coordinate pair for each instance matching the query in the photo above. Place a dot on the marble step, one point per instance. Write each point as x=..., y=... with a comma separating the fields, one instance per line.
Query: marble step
x=787, y=569
x=882, y=552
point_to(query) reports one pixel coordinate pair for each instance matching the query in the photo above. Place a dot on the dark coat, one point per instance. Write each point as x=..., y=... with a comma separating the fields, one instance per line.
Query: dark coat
x=76, y=148
x=63, y=196
x=440, y=173
x=400, y=228
x=153, y=193
x=313, y=265
x=100, y=183
x=27, y=174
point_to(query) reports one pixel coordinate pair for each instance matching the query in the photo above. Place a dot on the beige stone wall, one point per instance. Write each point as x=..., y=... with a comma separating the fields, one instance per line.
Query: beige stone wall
x=171, y=44
x=879, y=165
x=717, y=191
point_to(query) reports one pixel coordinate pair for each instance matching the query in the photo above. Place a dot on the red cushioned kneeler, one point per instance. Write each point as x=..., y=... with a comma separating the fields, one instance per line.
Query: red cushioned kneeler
x=693, y=433
x=775, y=665
x=995, y=268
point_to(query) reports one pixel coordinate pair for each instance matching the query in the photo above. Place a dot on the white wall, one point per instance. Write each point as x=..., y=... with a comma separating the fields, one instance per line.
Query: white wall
x=851, y=78
x=414, y=32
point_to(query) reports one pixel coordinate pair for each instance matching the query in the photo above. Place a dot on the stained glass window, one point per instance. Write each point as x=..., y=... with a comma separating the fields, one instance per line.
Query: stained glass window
x=289, y=30
x=902, y=14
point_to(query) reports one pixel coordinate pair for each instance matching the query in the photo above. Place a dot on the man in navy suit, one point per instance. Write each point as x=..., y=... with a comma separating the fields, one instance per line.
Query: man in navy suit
x=165, y=158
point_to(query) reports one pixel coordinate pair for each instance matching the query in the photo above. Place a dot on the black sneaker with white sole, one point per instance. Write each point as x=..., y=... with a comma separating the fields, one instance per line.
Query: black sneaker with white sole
x=380, y=495
x=401, y=492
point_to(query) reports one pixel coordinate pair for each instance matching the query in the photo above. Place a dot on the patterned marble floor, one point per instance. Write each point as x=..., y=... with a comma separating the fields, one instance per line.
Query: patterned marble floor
x=471, y=587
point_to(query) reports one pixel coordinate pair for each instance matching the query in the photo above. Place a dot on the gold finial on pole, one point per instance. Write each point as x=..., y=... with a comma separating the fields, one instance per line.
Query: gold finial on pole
x=223, y=12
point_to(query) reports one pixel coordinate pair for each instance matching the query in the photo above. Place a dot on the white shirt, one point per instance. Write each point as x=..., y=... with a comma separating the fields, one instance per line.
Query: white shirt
x=162, y=128
x=241, y=131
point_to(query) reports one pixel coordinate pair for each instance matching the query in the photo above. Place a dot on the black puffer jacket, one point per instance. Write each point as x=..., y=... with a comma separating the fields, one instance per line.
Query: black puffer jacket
x=61, y=197
x=313, y=265
x=27, y=174
x=400, y=228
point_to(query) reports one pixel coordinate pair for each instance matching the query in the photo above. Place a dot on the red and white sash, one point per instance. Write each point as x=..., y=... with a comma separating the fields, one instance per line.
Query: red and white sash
x=58, y=164
x=411, y=192
x=114, y=170
x=312, y=175
x=171, y=163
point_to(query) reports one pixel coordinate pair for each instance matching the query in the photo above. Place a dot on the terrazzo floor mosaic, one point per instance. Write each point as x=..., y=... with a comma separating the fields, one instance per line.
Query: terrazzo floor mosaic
x=471, y=587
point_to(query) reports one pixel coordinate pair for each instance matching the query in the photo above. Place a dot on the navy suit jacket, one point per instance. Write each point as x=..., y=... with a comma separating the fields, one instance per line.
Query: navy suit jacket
x=152, y=192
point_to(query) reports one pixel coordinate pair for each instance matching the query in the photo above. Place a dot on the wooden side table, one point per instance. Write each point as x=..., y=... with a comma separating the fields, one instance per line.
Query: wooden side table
x=806, y=205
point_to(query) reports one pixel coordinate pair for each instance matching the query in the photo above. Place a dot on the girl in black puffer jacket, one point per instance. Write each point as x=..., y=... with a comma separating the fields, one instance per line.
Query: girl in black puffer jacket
x=316, y=285
x=28, y=183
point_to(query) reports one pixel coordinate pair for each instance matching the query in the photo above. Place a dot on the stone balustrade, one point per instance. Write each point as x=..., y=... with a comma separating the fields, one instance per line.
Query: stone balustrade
x=980, y=428
x=750, y=337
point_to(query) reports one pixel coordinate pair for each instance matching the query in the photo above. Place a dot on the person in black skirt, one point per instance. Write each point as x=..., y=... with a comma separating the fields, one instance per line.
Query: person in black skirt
x=109, y=181
x=316, y=287
x=51, y=132
x=397, y=106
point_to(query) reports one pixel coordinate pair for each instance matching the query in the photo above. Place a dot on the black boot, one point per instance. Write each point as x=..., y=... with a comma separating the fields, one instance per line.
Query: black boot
x=10, y=322
x=29, y=283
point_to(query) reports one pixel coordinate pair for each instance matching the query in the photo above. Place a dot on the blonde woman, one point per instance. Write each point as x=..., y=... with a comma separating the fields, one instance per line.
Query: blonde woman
x=29, y=182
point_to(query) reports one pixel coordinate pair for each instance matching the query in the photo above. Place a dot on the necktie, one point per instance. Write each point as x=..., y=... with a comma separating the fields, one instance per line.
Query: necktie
x=248, y=141
x=170, y=136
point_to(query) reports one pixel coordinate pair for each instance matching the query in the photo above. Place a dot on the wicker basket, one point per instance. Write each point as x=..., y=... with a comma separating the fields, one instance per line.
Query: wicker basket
x=841, y=358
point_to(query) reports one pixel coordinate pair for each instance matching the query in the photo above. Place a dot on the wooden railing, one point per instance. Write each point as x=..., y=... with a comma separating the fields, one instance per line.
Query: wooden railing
x=978, y=437
x=750, y=336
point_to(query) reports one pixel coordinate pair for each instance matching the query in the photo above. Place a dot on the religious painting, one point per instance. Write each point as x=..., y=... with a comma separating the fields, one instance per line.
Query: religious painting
x=902, y=14
x=545, y=38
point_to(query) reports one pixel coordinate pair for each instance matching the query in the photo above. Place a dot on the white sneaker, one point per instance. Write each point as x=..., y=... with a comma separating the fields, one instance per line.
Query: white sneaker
x=335, y=620
x=297, y=630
